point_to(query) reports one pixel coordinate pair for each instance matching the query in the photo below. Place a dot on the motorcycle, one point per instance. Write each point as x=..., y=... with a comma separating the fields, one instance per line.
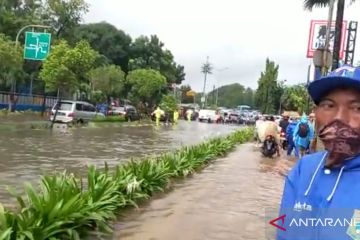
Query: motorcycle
x=269, y=146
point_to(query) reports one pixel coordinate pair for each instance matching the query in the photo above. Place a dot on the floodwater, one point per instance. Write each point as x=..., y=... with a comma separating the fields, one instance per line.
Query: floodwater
x=27, y=154
x=228, y=200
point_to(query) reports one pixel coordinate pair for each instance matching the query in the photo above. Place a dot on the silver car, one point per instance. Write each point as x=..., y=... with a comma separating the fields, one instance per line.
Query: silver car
x=74, y=112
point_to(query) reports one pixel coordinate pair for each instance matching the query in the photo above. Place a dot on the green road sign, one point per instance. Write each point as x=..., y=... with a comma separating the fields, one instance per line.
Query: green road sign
x=37, y=45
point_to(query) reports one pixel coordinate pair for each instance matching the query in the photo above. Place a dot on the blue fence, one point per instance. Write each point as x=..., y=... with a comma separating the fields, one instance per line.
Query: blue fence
x=26, y=102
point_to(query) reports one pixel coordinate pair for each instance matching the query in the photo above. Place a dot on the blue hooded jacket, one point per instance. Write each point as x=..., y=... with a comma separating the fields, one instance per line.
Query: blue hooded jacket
x=304, y=142
x=325, y=195
x=290, y=129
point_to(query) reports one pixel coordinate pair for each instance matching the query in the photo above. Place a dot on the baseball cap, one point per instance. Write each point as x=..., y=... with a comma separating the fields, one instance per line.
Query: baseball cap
x=345, y=76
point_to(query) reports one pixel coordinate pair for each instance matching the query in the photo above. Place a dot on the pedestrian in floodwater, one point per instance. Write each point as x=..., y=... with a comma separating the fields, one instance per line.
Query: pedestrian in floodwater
x=176, y=116
x=290, y=138
x=158, y=112
x=303, y=135
x=325, y=185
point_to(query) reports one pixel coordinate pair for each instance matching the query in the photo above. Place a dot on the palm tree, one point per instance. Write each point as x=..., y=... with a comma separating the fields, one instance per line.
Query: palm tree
x=310, y=4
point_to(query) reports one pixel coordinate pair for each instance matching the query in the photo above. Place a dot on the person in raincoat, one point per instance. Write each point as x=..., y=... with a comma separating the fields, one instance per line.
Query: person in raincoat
x=303, y=135
x=158, y=112
x=290, y=137
x=322, y=191
x=176, y=116
x=189, y=113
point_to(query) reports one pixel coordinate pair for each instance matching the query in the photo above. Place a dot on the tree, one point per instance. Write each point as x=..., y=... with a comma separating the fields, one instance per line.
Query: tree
x=295, y=98
x=109, y=80
x=11, y=61
x=65, y=68
x=184, y=89
x=105, y=38
x=64, y=15
x=10, y=67
x=146, y=85
x=266, y=93
x=232, y=95
x=310, y=4
x=149, y=54
x=15, y=14
x=168, y=103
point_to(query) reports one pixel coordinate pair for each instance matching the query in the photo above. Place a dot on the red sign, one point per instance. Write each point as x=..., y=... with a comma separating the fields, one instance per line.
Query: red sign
x=317, y=37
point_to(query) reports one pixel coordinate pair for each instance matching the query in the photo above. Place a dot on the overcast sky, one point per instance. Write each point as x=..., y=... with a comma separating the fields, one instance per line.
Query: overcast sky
x=235, y=34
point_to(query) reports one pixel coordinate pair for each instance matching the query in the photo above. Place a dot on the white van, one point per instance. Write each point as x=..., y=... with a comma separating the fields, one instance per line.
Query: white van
x=207, y=115
x=74, y=112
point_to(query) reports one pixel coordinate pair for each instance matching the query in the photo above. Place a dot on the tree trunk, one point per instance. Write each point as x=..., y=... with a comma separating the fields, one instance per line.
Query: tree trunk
x=338, y=31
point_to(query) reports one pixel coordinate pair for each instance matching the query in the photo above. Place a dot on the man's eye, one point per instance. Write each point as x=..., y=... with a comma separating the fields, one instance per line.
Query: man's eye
x=326, y=105
x=356, y=107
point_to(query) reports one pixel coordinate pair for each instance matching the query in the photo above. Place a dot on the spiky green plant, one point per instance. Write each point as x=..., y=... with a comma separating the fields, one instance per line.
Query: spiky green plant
x=63, y=208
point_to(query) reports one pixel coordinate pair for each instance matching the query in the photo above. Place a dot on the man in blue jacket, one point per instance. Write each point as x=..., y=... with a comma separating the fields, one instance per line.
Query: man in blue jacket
x=290, y=137
x=303, y=135
x=321, y=198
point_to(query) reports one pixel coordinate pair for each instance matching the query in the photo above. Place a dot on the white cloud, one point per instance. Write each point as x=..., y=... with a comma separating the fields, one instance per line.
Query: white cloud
x=233, y=33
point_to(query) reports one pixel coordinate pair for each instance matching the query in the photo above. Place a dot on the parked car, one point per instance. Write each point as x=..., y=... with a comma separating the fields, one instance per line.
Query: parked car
x=74, y=112
x=132, y=114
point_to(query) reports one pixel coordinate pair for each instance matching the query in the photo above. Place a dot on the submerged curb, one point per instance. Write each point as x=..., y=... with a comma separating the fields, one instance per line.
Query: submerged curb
x=66, y=208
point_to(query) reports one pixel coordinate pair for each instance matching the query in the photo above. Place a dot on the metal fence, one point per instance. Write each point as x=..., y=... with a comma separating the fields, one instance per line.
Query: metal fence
x=24, y=100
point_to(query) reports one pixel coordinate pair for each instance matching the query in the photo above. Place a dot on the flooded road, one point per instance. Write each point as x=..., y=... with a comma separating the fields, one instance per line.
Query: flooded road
x=26, y=154
x=226, y=201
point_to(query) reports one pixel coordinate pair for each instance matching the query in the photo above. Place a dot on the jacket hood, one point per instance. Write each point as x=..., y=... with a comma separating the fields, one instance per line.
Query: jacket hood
x=304, y=119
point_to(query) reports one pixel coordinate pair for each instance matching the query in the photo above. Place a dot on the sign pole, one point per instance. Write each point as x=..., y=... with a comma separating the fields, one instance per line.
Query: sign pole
x=16, y=47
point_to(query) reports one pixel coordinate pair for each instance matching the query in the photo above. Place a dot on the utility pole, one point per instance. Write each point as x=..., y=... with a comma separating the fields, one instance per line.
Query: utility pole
x=327, y=38
x=206, y=69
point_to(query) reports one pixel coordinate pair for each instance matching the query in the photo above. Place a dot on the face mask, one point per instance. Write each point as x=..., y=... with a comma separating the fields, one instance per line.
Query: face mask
x=341, y=141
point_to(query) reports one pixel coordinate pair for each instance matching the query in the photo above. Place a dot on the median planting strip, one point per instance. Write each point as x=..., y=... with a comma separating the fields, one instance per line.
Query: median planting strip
x=65, y=207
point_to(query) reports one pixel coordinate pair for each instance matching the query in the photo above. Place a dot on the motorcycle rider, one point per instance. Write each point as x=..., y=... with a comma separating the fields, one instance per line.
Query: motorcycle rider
x=284, y=122
x=272, y=129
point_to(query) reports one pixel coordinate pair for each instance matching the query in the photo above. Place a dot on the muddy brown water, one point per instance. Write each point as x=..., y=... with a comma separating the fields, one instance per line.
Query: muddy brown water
x=27, y=154
x=228, y=200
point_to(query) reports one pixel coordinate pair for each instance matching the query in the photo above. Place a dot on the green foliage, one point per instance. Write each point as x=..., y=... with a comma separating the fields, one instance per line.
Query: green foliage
x=109, y=80
x=146, y=84
x=10, y=60
x=295, y=98
x=64, y=15
x=184, y=98
x=112, y=43
x=267, y=95
x=168, y=103
x=109, y=119
x=16, y=14
x=232, y=95
x=66, y=67
x=63, y=208
x=149, y=53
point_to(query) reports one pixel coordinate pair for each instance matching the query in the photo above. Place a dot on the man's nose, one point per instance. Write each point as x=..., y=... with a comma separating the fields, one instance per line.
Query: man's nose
x=342, y=114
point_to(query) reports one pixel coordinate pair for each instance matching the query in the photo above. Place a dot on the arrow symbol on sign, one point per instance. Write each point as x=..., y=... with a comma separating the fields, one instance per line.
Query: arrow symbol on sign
x=282, y=218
